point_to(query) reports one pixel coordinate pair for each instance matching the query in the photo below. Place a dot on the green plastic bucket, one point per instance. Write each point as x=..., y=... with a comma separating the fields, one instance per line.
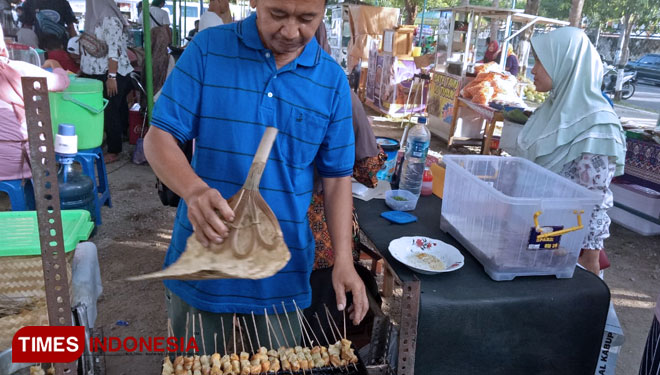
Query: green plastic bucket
x=82, y=105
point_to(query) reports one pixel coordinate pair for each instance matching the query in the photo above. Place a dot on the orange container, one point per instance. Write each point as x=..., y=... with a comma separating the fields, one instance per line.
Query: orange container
x=438, y=172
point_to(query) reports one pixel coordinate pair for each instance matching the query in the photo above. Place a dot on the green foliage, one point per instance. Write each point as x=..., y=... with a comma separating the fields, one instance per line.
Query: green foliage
x=558, y=9
x=645, y=13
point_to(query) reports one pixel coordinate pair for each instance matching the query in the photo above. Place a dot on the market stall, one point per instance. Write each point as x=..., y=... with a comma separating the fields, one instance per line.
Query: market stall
x=453, y=115
x=463, y=322
x=393, y=84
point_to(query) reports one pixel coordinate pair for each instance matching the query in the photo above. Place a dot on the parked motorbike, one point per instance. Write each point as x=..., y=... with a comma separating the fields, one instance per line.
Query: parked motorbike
x=609, y=83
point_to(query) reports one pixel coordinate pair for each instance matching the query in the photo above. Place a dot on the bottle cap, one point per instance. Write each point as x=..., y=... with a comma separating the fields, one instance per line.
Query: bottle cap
x=66, y=129
x=428, y=176
x=421, y=120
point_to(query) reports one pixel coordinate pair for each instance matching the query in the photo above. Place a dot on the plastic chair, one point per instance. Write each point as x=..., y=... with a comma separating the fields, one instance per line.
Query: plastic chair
x=88, y=159
x=21, y=195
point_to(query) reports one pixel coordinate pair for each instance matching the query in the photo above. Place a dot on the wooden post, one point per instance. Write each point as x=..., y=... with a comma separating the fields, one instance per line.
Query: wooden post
x=148, y=59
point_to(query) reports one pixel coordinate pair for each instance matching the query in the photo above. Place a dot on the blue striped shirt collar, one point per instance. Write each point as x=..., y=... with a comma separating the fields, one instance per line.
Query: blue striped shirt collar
x=249, y=35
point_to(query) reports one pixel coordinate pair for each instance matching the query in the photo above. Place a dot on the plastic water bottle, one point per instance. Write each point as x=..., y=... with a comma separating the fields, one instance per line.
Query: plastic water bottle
x=86, y=279
x=412, y=172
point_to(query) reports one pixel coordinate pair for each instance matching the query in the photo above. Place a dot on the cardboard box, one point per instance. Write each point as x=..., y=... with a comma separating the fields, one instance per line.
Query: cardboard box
x=399, y=41
x=612, y=341
x=438, y=172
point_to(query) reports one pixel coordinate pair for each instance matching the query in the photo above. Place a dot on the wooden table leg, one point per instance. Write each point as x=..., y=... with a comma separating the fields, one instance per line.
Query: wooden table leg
x=490, y=129
x=388, y=282
x=454, y=120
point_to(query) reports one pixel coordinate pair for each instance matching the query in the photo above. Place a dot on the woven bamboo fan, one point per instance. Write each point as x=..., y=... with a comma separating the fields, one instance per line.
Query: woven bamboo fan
x=255, y=247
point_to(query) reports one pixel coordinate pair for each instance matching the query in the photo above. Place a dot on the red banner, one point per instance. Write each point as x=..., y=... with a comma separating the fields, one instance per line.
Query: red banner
x=45, y=344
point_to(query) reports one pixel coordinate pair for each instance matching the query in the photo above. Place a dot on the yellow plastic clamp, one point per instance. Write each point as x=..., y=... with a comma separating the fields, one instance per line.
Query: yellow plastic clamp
x=559, y=232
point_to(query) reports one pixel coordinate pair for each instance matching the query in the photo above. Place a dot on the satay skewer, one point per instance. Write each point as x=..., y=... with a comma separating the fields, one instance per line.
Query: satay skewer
x=309, y=326
x=215, y=342
x=334, y=323
x=247, y=332
x=185, y=341
x=290, y=327
x=233, y=330
x=170, y=332
x=316, y=314
x=224, y=343
x=302, y=326
x=201, y=330
x=269, y=326
x=281, y=328
x=327, y=315
x=344, y=315
x=254, y=322
x=270, y=342
x=240, y=333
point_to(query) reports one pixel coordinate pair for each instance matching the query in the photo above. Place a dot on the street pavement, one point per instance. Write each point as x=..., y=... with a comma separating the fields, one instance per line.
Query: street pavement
x=647, y=96
x=646, y=101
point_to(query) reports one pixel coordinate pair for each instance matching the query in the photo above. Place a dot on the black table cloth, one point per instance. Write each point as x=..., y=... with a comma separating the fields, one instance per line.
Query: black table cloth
x=470, y=324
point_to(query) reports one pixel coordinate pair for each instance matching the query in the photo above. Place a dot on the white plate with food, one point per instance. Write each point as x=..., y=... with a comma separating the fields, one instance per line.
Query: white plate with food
x=426, y=255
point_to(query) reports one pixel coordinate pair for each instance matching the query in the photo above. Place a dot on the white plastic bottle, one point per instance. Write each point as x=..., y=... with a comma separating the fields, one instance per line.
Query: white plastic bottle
x=417, y=148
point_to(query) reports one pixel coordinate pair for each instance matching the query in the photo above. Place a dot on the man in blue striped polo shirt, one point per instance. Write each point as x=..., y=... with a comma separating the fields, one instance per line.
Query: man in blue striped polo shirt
x=231, y=83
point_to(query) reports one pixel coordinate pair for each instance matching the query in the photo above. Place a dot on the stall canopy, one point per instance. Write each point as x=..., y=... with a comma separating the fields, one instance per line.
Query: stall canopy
x=431, y=17
x=367, y=23
x=472, y=15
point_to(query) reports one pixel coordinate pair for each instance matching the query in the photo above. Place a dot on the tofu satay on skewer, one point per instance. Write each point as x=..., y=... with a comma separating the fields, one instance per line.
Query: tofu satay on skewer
x=255, y=360
x=168, y=367
x=197, y=365
x=178, y=366
x=216, y=366
x=273, y=356
x=244, y=357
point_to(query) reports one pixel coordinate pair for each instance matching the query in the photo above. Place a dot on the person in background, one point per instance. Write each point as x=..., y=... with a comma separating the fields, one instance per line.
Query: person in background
x=217, y=14
x=369, y=159
x=26, y=35
x=651, y=358
x=14, y=153
x=194, y=31
x=511, y=62
x=491, y=51
x=104, y=19
x=159, y=16
x=73, y=48
x=225, y=104
x=58, y=11
x=575, y=133
x=55, y=51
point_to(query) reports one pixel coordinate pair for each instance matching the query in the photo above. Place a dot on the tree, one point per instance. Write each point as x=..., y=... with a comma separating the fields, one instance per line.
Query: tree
x=633, y=14
x=410, y=7
x=575, y=16
x=532, y=7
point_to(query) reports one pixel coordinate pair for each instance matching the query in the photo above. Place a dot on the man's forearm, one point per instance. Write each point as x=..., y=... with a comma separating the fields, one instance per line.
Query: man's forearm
x=170, y=164
x=338, y=202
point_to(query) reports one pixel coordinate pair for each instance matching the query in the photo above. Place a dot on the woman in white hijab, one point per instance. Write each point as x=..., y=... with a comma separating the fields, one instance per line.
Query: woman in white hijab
x=575, y=133
x=104, y=20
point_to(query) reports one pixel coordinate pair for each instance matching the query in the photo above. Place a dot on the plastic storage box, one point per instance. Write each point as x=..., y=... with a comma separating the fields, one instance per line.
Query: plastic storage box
x=496, y=206
x=21, y=267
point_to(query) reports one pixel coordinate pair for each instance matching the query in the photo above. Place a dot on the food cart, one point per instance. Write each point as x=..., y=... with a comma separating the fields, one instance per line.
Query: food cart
x=458, y=120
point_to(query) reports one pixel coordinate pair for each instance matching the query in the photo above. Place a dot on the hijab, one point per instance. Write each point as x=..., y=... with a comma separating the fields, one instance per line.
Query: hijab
x=576, y=118
x=97, y=10
x=509, y=51
x=490, y=55
x=11, y=89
